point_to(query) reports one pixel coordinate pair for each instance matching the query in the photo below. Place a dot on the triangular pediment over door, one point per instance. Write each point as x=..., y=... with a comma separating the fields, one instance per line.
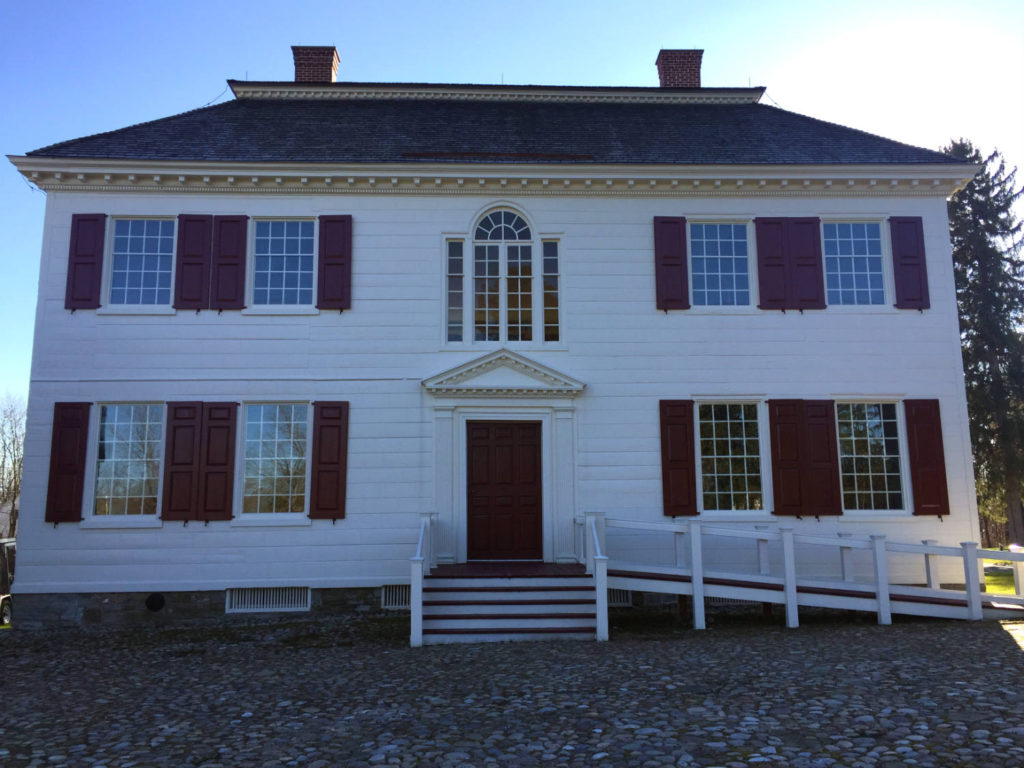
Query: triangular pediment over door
x=503, y=373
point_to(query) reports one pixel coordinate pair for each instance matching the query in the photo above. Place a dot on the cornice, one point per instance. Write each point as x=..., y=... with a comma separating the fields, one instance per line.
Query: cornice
x=457, y=92
x=119, y=176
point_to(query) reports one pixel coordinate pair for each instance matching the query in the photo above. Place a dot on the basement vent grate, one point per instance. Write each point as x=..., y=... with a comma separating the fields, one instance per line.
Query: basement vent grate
x=267, y=599
x=620, y=598
x=395, y=597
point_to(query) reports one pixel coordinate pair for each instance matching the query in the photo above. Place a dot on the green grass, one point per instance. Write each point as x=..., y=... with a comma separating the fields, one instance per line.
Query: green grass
x=999, y=582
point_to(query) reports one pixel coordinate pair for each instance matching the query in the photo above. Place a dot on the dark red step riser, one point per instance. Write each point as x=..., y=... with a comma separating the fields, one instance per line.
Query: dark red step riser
x=567, y=601
x=508, y=589
x=511, y=631
x=516, y=616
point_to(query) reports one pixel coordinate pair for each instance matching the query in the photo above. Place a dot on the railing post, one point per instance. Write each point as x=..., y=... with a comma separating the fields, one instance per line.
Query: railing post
x=697, y=575
x=929, y=564
x=972, y=583
x=881, y=562
x=763, y=566
x=588, y=542
x=416, y=602
x=1018, y=571
x=846, y=559
x=601, y=585
x=789, y=577
x=679, y=540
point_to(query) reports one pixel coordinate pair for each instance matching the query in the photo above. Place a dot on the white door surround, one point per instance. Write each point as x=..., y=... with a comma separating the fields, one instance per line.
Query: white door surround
x=504, y=386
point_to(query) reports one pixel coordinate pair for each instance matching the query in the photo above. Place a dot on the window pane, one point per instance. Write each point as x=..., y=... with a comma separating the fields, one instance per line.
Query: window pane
x=283, y=263
x=141, y=261
x=869, y=465
x=486, y=285
x=275, y=451
x=719, y=265
x=128, y=459
x=853, y=263
x=519, y=292
x=730, y=458
x=550, y=291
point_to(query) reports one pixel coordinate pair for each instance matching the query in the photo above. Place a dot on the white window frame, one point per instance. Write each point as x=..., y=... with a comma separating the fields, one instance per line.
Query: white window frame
x=89, y=517
x=106, y=281
x=752, y=277
x=252, y=308
x=257, y=519
x=536, y=243
x=901, y=425
x=764, y=446
x=888, y=278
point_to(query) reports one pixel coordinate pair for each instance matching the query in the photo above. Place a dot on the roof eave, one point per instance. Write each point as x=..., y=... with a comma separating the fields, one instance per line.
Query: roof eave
x=875, y=179
x=246, y=89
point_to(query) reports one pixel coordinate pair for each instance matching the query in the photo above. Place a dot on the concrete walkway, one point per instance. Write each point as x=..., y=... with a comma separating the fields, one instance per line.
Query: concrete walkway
x=320, y=693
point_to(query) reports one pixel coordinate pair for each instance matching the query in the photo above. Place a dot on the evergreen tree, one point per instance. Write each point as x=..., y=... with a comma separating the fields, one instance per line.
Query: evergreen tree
x=989, y=268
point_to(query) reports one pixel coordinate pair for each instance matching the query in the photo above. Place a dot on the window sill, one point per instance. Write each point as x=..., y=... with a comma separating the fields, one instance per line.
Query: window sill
x=121, y=521
x=136, y=309
x=282, y=310
x=518, y=346
x=256, y=520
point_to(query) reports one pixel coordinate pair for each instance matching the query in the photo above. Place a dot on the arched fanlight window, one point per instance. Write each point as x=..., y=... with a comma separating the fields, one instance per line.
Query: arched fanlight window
x=501, y=283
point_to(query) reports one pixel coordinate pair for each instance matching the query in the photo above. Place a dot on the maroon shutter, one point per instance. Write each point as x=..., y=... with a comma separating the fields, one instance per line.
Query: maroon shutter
x=192, y=274
x=330, y=460
x=785, y=424
x=227, y=280
x=771, y=263
x=672, y=289
x=334, y=281
x=805, y=275
x=678, y=465
x=85, y=261
x=908, y=262
x=820, y=473
x=927, y=459
x=67, y=462
x=182, y=460
x=217, y=462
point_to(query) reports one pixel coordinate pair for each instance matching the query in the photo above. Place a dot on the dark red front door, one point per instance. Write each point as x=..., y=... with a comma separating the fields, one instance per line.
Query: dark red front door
x=504, y=490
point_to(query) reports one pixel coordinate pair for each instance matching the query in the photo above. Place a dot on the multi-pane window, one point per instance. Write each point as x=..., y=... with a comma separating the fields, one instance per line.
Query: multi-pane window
x=869, y=456
x=853, y=263
x=721, y=275
x=283, y=263
x=128, y=459
x=455, y=290
x=550, y=278
x=142, y=261
x=730, y=456
x=503, y=293
x=275, y=458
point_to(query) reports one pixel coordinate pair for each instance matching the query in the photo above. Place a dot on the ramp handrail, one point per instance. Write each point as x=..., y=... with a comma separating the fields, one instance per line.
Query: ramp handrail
x=845, y=543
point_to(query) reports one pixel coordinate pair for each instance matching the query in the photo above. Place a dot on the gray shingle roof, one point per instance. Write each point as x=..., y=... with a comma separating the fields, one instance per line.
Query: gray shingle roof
x=411, y=130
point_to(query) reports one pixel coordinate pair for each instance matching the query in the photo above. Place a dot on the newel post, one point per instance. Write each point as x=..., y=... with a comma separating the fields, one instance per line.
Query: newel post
x=972, y=582
x=929, y=564
x=1018, y=570
x=881, y=561
x=789, y=577
x=601, y=586
x=697, y=575
x=416, y=602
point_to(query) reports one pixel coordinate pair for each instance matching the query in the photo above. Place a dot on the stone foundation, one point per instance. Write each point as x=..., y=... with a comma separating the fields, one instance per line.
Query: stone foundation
x=135, y=609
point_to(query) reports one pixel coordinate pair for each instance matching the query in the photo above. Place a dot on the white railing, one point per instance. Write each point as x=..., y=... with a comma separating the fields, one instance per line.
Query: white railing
x=688, y=575
x=420, y=565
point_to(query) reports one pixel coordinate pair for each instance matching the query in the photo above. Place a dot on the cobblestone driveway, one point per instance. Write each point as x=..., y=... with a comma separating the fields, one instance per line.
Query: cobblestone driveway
x=334, y=693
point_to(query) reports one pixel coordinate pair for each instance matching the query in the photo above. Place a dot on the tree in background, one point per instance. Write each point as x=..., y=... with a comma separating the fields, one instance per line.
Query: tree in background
x=989, y=271
x=12, y=455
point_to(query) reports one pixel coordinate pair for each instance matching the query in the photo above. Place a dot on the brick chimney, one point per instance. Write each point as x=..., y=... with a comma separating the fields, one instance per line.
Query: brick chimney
x=315, y=63
x=679, y=69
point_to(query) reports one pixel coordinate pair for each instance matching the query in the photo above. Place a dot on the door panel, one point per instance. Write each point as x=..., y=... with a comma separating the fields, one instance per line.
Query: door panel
x=504, y=490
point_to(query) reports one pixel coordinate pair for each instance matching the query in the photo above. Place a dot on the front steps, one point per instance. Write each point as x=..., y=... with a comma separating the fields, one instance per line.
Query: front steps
x=493, y=602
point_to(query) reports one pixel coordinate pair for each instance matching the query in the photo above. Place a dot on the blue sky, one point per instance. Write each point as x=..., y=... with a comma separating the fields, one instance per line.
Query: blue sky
x=919, y=72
